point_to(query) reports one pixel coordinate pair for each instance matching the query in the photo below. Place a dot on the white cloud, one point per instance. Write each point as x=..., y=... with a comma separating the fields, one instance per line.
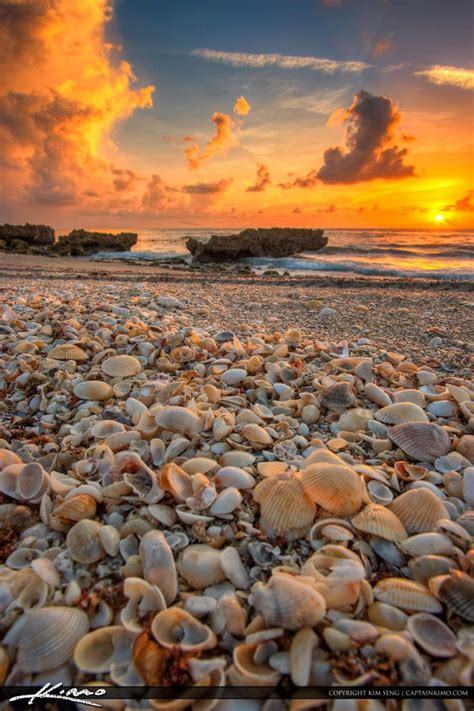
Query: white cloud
x=454, y=76
x=318, y=102
x=243, y=59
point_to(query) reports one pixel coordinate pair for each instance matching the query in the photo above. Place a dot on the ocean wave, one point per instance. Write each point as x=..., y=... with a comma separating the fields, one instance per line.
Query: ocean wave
x=453, y=252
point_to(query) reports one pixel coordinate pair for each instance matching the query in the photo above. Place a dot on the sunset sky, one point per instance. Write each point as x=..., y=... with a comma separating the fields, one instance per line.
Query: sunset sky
x=222, y=113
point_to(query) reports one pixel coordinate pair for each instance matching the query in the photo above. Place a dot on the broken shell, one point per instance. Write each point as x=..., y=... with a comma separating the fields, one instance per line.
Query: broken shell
x=285, y=510
x=121, y=366
x=177, y=628
x=179, y=419
x=176, y=481
x=76, y=508
x=250, y=671
x=67, y=351
x=381, y=522
x=93, y=390
x=158, y=564
x=432, y=635
x=286, y=602
x=401, y=412
x=99, y=651
x=336, y=488
x=423, y=441
x=407, y=595
x=200, y=566
x=418, y=509
x=83, y=542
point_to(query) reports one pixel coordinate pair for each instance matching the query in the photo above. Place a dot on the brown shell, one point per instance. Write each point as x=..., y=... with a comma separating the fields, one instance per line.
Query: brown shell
x=401, y=412
x=339, y=397
x=67, y=351
x=285, y=510
x=457, y=592
x=336, y=488
x=418, y=509
x=379, y=521
x=422, y=441
x=76, y=508
x=407, y=595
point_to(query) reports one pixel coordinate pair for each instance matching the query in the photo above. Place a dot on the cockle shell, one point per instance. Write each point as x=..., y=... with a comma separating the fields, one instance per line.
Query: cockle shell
x=200, y=566
x=67, y=351
x=121, y=366
x=179, y=419
x=418, y=509
x=49, y=637
x=286, y=602
x=83, y=542
x=338, y=397
x=285, y=509
x=457, y=592
x=158, y=564
x=401, y=412
x=177, y=628
x=423, y=441
x=93, y=390
x=407, y=595
x=99, y=651
x=336, y=488
x=432, y=635
x=379, y=521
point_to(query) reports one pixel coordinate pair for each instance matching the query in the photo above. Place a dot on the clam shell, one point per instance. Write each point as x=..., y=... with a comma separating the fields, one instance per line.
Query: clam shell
x=32, y=482
x=468, y=486
x=83, y=542
x=67, y=351
x=176, y=481
x=49, y=637
x=376, y=394
x=177, y=628
x=336, y=488
x=285, y=510
x=200, y=566
x=158, y=564
x=457, y=592
x=429, y=543
x=338, y=397
x=379, y=521
x=424, y=567
x=121, y=366
x=423, y=441
x=401, y=412
x=76, y=508
x=410, y=395
x=407, y=595
x=179, y=419
x=418, y=509
x=465, y=447
x=234, y=476
x=432, y=635
x=355, y=419
x=256, y=434
x=99, y=651
x=384, y=615
x=286, y=602
x=93, y=390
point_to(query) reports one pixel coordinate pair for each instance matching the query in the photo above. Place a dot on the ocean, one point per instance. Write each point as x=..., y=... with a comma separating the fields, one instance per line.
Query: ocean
x=433, y=254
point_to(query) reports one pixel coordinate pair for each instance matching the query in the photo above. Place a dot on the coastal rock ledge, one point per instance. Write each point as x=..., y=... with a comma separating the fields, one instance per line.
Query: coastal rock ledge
x=271, y=242
x=40, y=239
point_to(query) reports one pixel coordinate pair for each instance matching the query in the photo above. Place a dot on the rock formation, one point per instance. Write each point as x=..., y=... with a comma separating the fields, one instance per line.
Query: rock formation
x=272, y=242
x=81, y=242
x=23, y=237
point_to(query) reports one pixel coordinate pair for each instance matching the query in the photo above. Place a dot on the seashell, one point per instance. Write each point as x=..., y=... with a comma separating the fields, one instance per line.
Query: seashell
x=226, y=502
x=432, y=635
x=375, y=394
x=200, y=566
x=140, y=478
x=234, y=569
x=301, y=656
x=379, y=492
x=32, y=482
x=143, y=599
x=285, y=509
x=457, y=592
x=269, y=469
x=121, y=366
x=100, y=651
x=158, y=564
x=199, y=465
x=76, y=508
x=424, y=567
x=177, y=628
x=105, y=428
x=7, y=457
x=110, y=539
x=256, y=434
x=234, y=376
x=401, y=412
x=251, y=672
x=336, y=488
x=435, y=392
x=234, y=476
x=423, y=441
x=176, y=481
x=468, y=486
x=179, y=419
x=442, y=408
x=183, y=354
x=355, y=419
x=426, y=377
x=379, y=521
x=418, y=509
x=338, y=397
x=429, y=543
x=465, y=447
x=67, y=351
x=286, y=602
x=83, y=542
x=237, y=458
x=407, y=595
x=49, y=637
x=410, y=395
x=384, y=615
x=93, y=390
x=409, y=472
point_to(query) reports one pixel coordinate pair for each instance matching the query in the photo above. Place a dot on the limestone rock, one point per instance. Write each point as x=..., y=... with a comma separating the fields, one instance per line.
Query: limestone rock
x=81, y=242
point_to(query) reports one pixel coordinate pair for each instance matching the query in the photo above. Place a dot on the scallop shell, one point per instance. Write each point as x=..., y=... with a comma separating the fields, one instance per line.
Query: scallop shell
x=457, y=592
x=285, y=510
x=379, y=521
x=407, y=595
x=121, y=366
x=432, y=635
x=418, y=509
x=93, y=390
x=83, y=542
x=67, y=351
x=99, y=651
x=49, y=636
x=336, y=488
x=179, y=419
x=338, y=397
x=401, y=412
x=177, y=628
x=423, y=441
x=200, y=566
x=158, y=564
x=286, y=602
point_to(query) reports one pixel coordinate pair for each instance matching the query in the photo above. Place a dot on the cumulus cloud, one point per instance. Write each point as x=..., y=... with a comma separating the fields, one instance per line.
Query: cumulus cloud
x=368, y=153
x=223, y=139
x=453, y=76
x=262, y=181
x=464, y=204
x=305, y=181
x=241, y=106
x=215, y=188
x=258, y=61
x=63, y=89
x=158, y=195
x=124, y=180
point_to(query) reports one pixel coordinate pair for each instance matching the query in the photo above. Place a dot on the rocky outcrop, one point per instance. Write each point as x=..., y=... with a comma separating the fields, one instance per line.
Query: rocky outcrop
x=272, y=242
x=81, y=242
x=21, y=237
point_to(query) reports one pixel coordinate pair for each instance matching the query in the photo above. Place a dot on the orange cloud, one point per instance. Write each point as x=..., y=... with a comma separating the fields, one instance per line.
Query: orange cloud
x=464, y=204
x=262, y=181
x=68, y=88
x=241, y=106
x=306, y=181
x=215, y=188
x=381, y=46
x=219, y=143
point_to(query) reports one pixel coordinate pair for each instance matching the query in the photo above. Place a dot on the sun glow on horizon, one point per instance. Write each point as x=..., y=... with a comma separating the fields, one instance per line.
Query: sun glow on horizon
x=439, y=218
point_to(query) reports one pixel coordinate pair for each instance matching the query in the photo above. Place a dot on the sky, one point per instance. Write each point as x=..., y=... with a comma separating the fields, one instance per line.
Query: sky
x=235, y=113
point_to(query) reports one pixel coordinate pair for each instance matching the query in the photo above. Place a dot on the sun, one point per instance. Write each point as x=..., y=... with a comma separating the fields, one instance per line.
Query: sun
x=439, y=218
